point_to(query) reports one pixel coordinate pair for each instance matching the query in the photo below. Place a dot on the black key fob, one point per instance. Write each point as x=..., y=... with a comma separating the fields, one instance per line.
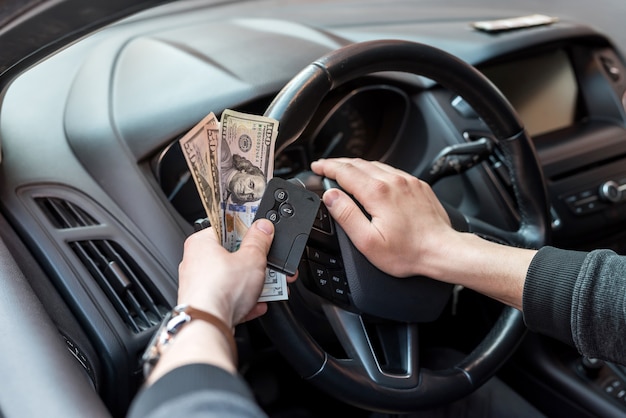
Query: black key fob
x=292, y=210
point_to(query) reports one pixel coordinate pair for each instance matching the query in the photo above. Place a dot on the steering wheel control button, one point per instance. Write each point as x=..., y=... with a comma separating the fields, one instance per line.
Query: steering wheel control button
x=321, y=281
x=292, y=227
x=339, y=285
x=322, y=220
x=321, y=257
x=329, y=268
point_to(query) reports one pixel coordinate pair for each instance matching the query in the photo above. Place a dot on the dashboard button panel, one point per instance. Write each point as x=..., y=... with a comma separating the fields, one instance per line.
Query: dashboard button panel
x=595, y=199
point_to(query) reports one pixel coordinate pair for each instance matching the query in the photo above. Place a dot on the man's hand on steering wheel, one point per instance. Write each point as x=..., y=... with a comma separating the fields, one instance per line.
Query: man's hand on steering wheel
x=395, y=240
x=410, y=234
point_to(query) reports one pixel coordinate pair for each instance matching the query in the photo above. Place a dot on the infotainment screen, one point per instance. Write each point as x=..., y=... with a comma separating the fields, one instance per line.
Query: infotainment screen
x=542, y=89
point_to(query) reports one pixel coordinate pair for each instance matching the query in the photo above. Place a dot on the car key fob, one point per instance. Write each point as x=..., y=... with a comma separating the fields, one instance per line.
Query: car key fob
x=292, y=210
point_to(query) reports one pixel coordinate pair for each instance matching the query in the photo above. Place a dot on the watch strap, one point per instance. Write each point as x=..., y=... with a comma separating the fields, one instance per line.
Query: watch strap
x=219, y=324
x=173, y=323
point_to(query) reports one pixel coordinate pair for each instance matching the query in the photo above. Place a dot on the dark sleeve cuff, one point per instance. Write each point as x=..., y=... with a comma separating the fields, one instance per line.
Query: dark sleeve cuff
x=548, y=291
x=184, y=380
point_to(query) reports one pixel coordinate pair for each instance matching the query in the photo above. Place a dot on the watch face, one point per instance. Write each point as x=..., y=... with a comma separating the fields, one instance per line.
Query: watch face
x=153, y=349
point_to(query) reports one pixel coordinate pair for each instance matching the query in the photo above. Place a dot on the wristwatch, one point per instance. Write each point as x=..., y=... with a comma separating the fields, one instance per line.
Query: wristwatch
x=173, y=322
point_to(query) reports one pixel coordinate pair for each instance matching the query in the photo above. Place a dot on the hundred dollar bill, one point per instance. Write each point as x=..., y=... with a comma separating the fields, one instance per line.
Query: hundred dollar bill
x=246, y=153
x=200, y=148
x=246, y=165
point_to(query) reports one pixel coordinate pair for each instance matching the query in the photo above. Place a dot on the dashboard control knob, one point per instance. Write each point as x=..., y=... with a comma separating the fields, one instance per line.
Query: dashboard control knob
x=610, y=190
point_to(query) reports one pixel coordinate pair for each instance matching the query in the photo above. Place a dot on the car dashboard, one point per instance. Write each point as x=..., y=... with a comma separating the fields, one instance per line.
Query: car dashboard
x=97, y=199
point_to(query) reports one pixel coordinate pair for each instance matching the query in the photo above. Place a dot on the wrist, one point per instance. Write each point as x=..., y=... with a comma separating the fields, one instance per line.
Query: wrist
x=438, y=252
x=477, y=263
x=215, y=305
x=190, y=335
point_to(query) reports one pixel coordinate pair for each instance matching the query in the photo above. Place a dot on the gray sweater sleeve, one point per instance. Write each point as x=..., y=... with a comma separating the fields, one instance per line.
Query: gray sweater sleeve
x=579, y=298
x=196, y=390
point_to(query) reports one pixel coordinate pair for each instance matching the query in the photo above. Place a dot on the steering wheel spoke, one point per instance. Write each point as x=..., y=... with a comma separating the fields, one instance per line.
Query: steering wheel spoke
x=389, y=358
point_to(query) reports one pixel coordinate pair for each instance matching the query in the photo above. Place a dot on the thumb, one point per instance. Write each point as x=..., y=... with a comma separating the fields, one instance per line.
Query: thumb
x=259, y=237
x=348, y=215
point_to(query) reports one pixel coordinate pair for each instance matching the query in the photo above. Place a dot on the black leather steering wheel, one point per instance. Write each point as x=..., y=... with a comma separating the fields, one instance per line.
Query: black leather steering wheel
x=359, y=379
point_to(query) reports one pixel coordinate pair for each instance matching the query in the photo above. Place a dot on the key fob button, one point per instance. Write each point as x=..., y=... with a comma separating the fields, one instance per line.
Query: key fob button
x=272, y=215
x=286, y=210
x=281, y=195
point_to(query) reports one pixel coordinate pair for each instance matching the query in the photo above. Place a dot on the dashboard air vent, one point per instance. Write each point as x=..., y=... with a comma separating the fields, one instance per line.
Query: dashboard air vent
x=123, y=282
x=64, y=214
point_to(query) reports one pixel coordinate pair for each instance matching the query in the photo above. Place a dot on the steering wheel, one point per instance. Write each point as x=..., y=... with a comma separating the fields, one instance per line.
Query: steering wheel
x=360, y=379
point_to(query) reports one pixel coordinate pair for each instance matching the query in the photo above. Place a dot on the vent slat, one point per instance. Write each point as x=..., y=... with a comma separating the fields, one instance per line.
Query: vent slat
x=61, y=214
x=122, y=281
x=142, y=293
x=82, y=218
x=88, y=254
x=119, y=278
x=137, y=307
x=64, y=214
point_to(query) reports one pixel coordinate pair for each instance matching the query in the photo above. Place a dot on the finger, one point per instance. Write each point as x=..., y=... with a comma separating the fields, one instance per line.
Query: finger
x=425, y=186
x=368, y=183
x=357, y=162
x=369, y=170
x=391, y=170
x=258, y=237
x=355, y=176
x=291, y=279
x=347, y=214
x=330, y=167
